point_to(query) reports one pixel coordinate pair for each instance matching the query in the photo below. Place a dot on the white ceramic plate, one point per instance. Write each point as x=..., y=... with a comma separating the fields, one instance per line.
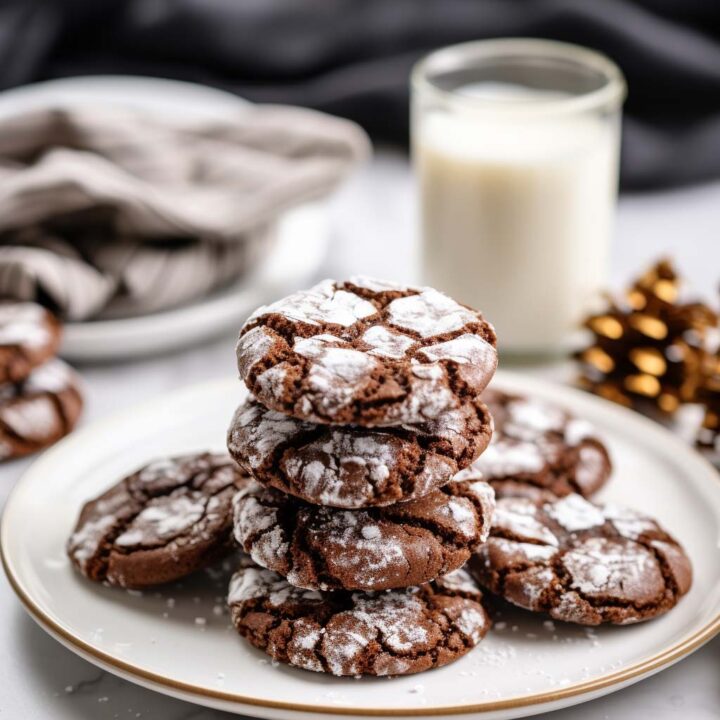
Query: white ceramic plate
x=524, y=666
x=293, y=262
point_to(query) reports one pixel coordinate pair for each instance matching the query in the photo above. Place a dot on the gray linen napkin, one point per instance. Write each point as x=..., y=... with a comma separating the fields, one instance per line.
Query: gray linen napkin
x=109, y=211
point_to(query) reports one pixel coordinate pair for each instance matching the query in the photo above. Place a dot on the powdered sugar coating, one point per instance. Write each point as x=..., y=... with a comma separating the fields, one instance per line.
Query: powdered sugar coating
x=522, y=519
x=387, y=343
x=464, y=350
x=322, y=304
x=429, y=313
x=337, y=374
x=158, y=523
x=256, y=343
x=575, y=513
x=24, y=323
x=354, y=467
x=358, y=354
x=541, y=445
x=164, y=521
x=383, y=548
x=350, y=634
x=29, y=337
x=582, y=562
x=34, y=419
x=602, y=567
x=505, y=458
x=39, y=410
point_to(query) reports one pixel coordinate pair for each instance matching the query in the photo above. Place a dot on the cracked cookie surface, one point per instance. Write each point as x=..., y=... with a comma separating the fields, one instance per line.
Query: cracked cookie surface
x=540, y=445
x=391, y=633
x=352, y=466
x=39, y=410
x=165, y=521
x=581, y=562
x=29, y=336
x=366, y=352
x=407, y=543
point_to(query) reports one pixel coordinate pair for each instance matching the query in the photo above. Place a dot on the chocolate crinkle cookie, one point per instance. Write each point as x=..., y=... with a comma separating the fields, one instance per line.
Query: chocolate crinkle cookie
x=29, y=336
x=390, y=633
x=581, y=562
x=39, y=410
x=538, y=444
x=325, y=548
x=355, y=467
x=366, y=352
x=165, y=521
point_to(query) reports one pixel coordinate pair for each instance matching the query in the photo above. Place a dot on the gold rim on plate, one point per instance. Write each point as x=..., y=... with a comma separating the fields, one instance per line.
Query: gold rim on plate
x=666, y=657
x=636, y=671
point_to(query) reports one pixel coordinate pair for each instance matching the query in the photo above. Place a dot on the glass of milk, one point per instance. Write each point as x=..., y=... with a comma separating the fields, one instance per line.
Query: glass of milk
x=516, y=145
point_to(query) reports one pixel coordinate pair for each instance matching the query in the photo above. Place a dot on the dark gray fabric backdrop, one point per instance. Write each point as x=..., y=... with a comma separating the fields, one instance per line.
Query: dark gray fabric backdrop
x=352, y=57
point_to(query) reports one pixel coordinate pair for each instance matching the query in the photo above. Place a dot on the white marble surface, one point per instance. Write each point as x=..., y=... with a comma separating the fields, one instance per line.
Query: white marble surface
x=375, y=234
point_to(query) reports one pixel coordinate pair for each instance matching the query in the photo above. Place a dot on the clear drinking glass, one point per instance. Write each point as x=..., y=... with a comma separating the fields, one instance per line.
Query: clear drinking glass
x=516, y=145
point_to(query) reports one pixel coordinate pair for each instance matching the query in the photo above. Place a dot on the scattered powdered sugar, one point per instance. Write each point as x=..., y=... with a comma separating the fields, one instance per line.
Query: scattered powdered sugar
x=387, y=343
x=430, y=313
x=575, y=513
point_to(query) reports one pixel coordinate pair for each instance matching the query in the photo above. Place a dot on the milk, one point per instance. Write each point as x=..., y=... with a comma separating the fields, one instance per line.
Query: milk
x=517, y=210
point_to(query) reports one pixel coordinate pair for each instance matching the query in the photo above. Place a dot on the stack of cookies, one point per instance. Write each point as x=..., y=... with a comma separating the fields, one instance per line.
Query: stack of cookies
x=40, y=399
x=366, y=477
x=365, y=406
